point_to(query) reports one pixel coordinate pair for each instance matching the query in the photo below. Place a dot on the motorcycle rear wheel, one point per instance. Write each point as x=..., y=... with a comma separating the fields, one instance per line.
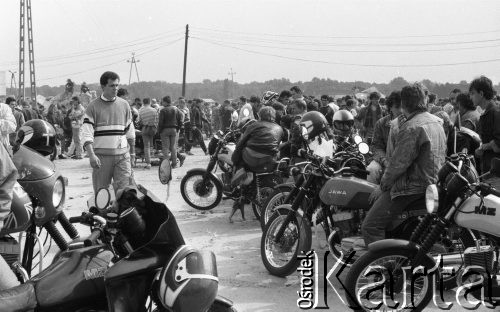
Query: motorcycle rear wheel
x=295, y=239
x=194, y=190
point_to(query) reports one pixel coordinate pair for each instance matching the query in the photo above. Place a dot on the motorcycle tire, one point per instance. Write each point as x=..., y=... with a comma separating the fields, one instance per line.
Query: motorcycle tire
x=258, y=205
x=366, y=260
x=302, y=238
x=214, y=184
x=276, y=198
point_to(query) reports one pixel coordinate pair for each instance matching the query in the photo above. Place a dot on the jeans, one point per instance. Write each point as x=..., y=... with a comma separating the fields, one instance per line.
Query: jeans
x=113, y=167
x=148, y=143
x=76, y=146
x=169, y=144
x=384, y=211
x=198, y=138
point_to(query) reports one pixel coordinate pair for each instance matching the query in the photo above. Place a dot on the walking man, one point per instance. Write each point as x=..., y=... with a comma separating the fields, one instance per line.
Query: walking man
x=106, y=123
x=148, y=118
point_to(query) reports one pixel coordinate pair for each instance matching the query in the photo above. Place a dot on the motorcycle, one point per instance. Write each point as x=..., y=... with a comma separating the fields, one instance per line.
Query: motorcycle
x=38, y=201
x=352, y=156
x=135, y=259
x=458, y=199
x=340, y=209
x=203, y=190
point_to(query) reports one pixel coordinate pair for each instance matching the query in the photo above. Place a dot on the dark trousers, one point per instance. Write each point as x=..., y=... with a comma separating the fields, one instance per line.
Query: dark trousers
x=197, y=138
x=384, y=211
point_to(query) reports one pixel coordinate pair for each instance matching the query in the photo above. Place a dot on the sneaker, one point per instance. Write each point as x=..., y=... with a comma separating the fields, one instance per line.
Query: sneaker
x=62, y=156
x=189, y=153
x=148, y=166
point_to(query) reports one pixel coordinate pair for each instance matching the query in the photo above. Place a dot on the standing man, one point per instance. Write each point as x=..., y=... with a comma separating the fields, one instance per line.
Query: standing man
x=148, y=118
x=296, y=93
x=482, y=94
x=452, y=108
x=369, y=115
x=106, y=123
x=226, y=112
x=216, y=122
x=197, y=120
x=123, y=93
x=18, y=115
x=169, y=125
x=76, y=116
x=185, y=132
x=85, y=95
x=327, y=110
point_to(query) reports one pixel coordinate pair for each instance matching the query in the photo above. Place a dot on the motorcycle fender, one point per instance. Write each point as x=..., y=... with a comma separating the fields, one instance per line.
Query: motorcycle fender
x=210, y=173
x=394, y=243
x=284, y=186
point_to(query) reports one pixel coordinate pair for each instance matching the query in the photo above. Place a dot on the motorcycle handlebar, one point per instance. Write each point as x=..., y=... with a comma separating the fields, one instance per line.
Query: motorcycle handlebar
x=91, y=240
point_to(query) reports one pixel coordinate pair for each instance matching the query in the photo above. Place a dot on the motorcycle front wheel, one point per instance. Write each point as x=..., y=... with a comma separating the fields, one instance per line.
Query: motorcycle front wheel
x=199, y=191
x=364, y=280
x=275, y=199
x=280, y=258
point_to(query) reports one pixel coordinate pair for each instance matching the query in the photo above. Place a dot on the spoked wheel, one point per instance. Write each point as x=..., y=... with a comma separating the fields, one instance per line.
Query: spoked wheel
x=275, y=199
x=258, y=203
x=200, y=192
x=391, y=268
x=280, y=258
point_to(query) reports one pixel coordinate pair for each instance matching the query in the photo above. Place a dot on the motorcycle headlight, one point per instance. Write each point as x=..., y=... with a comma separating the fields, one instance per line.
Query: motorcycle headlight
x=57, y=193
x=432, y=198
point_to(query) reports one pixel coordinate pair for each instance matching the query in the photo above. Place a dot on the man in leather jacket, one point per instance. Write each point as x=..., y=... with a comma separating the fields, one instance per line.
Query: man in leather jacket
x=257, y=149
x=418, y=155
x=8, y=177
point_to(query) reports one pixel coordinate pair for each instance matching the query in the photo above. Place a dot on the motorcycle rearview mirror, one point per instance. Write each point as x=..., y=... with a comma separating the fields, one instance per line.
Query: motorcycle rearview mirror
x=357, y=139
x=102, y=198
x=363, y=148
x=165, y=171
x=495, y=167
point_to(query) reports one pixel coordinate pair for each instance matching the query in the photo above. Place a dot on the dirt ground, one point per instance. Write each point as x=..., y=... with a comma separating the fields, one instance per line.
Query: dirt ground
x=242, y=276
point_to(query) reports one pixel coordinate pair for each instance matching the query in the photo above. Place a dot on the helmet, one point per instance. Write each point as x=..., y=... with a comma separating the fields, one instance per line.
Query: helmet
x=343, y=122
x=313, y=124
x=189, y=282
x=268, y=96
x=38, y=135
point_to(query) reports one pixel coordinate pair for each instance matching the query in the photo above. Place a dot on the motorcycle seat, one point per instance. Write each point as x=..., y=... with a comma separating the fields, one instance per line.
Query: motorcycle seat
x=19, y=298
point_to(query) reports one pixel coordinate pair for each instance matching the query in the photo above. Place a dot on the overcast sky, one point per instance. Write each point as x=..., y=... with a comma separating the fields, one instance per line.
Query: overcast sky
x=346, y=40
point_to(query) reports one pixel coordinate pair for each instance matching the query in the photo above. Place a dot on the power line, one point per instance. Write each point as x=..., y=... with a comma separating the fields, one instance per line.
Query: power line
x=348, y=64
x=350, y=51
x=351, y=37
x=128, y=44
x=109, y=64
x=378, y=44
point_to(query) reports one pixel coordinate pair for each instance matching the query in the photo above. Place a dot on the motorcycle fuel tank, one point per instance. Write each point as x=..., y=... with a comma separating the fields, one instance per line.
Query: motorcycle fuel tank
x=482, y=217
x=226, y=152
x=349, y=192
x=31, y=165
x=74, y=280
x=19, y=216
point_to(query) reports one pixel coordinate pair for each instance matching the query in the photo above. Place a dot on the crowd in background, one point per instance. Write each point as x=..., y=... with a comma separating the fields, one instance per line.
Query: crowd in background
x=183, y=123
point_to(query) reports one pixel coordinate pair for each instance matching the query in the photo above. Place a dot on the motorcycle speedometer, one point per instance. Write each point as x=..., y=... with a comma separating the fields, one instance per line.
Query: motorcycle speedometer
x=57, y=193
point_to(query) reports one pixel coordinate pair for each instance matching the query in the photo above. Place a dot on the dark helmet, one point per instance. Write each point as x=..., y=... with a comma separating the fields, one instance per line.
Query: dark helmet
x=343, y=122
x=38, y=135
x=313, y=123
x=189, y=281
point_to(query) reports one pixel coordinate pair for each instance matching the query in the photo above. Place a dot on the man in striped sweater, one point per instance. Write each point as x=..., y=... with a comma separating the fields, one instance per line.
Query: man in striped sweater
x=106, y=123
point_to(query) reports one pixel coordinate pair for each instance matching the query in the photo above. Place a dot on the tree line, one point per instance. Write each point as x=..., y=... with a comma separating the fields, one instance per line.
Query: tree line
x=220, y=90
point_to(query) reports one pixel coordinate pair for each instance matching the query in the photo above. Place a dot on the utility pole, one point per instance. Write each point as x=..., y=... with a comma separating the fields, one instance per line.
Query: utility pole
x=22, y=32
x=231, y=73
x=185, y=61
x=25, y=9
x=133, y=62
x=12, y=80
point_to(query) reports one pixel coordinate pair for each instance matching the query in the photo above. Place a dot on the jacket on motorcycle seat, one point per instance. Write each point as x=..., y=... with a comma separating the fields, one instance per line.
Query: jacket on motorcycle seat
x=419, y=153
